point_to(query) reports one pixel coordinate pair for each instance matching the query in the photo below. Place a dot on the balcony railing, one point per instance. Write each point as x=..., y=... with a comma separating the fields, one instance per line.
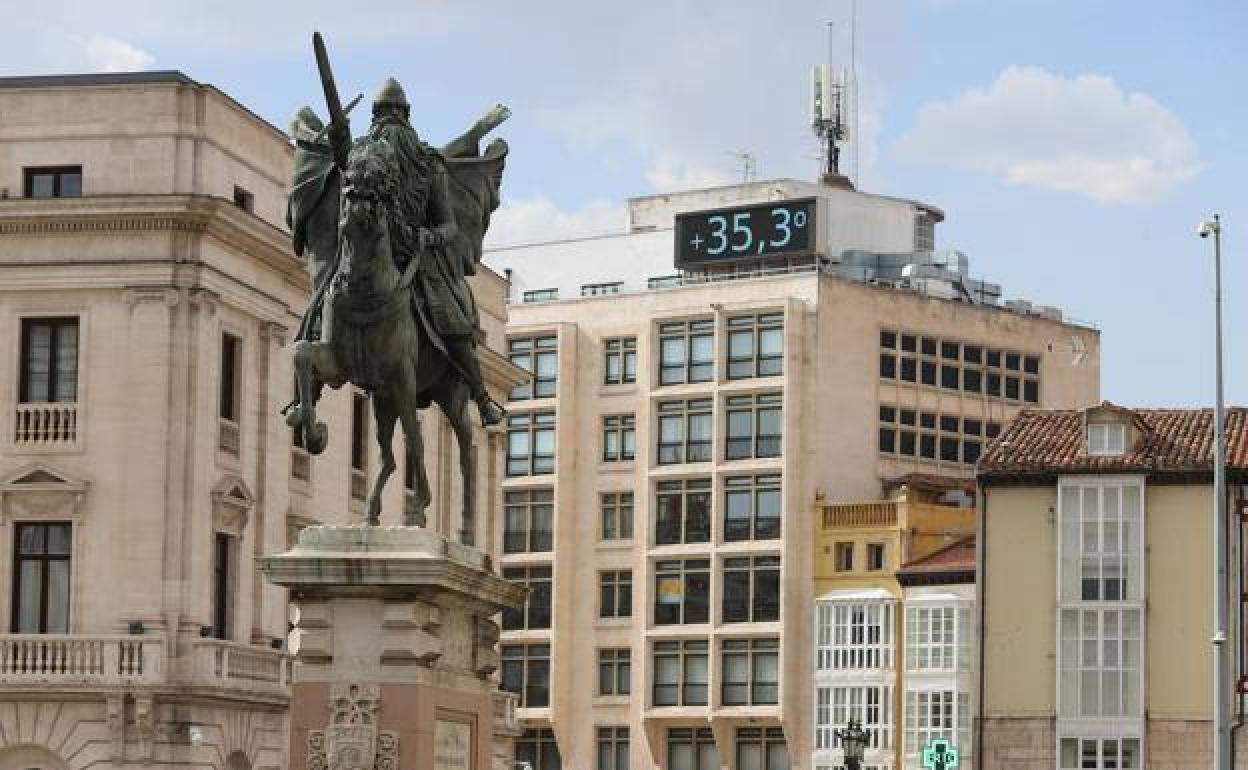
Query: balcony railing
x=46, y=425
x=235, y=666
x=860, y=515
x=75, y=659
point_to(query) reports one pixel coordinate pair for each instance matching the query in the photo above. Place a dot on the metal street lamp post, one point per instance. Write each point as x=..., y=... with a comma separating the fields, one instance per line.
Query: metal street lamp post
x=854, y=743
x=1221, y=743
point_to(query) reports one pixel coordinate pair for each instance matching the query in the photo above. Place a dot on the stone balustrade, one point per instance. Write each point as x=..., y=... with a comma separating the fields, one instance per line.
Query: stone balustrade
x=860, y=515
x=46, y=425
x=78, y=659
x=235, y=666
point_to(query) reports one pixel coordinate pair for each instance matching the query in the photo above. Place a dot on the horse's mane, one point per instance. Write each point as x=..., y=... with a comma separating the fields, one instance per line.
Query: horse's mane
x=373, y=168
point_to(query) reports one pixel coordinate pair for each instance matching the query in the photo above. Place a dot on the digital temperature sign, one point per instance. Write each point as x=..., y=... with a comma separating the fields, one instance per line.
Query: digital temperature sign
x=704, y=238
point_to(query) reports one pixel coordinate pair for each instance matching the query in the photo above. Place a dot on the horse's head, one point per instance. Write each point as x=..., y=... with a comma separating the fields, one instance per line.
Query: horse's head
x=370, y=188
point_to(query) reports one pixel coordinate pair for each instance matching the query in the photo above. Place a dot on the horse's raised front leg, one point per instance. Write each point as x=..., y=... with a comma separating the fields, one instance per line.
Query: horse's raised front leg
x=455, y=406
x=383, y=410
x=314, y=365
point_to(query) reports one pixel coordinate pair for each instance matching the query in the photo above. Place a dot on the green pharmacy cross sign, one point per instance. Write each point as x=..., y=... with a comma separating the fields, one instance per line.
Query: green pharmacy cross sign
x=939, y=755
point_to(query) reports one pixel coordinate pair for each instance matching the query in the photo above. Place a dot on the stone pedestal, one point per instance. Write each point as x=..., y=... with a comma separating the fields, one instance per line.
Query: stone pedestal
x=395, y=651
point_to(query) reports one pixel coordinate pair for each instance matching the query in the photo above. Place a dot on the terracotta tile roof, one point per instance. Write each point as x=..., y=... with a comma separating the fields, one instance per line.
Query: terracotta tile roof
x=958, y=556
x=1044, y=442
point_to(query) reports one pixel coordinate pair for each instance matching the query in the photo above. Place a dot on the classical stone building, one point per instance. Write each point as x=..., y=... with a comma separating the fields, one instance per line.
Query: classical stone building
x=1102, y=518
x=664, y=465
x=148, y=292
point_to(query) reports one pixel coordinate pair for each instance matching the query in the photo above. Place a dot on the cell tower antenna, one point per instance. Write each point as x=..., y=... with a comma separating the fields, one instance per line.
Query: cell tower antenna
x=827, y=114
x=749, y=165
x=853, y=76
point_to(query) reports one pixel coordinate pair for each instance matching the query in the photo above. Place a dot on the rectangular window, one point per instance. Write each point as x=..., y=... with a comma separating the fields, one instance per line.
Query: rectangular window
x=1101, y=527
x=937, y=715
x=221, y=585
x=231, y=371
x=937, y=638
x=526, y=672
x=752, y=507
x=615, y=671
x=539, y=357
x=875, y=556
x=612, y=748
x=751, y=672
x=621, y=360
x=1099, y=754
x=844, y=557
x=682, y=589
x=537, y=748
x=617, y=516
x=530, y=443
x=682, y=512
x=686, y=351
x=945, y=437
x=691, y=748
x=751, y=589
x=755, y=345
x=541, y=295
x=953, y=365
x=244, y=199
x=619, y=438
x=760, y=748
x=359, y=445
x=615, y=593
x=1107, y=438
x=684, y=431
x=754, y=426
x=869, y=705
x=680, y=673
x=853, y=636
x=49, y=360
x=535, y=614
x=528, y=520
x=601, y=289
x=1099, y=672
x=41, y=567
x=53, y=182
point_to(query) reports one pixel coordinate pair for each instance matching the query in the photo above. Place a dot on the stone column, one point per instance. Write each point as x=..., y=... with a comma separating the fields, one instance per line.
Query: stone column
x=395, y=650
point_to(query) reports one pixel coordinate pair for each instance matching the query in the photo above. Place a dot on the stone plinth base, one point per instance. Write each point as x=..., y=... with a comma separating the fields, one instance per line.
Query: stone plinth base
x=395, y=650
x=1018, y=744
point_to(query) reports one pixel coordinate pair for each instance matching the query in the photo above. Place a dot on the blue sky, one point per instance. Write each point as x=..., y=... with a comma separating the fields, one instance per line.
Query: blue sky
x=1074, y=146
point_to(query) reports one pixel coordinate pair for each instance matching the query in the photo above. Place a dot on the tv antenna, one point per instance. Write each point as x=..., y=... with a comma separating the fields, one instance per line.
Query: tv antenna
x=749, y=165
x=830, y=91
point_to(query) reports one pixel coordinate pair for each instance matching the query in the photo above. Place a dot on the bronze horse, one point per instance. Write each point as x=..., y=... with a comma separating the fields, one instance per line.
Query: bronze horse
x=373, y=337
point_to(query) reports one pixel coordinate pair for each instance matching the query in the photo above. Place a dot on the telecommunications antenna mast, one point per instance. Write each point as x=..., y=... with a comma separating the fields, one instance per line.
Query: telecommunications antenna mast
x=829, y=92
x=749, y=164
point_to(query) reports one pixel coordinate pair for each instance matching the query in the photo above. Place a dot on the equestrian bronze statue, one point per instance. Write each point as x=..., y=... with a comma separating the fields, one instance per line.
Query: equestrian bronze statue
x=389, y=228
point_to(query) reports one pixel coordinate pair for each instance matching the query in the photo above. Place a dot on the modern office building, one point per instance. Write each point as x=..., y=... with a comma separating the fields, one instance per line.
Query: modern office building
x=885, y=653
x=701, y=379
x=148, y=291
x=1102, y=517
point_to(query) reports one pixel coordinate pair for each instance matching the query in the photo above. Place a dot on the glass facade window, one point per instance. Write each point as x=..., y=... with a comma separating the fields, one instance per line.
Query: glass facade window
x=691, y=748
x=615, y=671
x=684, y=431
x=526, y=672
x=938, y=715
x=530, y=443
x=752, y=507
x=612, y=748
x=868, y=704
x=620, y=365
x=1101, y=556
x=928, y=436
x=619, y=438
x=49, y=360
x=682, y=590
x=682, y=512
x=1099, y=672
x=535, y=613
x=854, y=635
x=539, y=356
x=1095, y=753
x=686, y=351
x=537, y=748
x=761, y=748
x=955, y=365
x=751, y=592
x=41, y=568
x=751, y=672
x=617, y=516
x=53, y=182
x=755, y=345
x=528, y=520
x=615, y=591
x=938, y=637
x=681, y=673
x=755, y=426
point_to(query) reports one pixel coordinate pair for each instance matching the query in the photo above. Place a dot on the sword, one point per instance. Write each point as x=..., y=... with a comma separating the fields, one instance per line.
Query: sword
x=338, y=126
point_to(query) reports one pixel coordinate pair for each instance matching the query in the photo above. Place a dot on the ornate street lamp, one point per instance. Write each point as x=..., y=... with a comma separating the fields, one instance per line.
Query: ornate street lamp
x=854, y=743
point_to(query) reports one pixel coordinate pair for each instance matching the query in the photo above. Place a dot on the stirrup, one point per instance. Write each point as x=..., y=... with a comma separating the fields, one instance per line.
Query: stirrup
x=491, y=412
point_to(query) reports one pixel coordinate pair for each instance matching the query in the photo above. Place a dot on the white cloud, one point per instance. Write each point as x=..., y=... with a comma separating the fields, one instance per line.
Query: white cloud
x=538, y=218
x=1080, y=134
x=106, y=54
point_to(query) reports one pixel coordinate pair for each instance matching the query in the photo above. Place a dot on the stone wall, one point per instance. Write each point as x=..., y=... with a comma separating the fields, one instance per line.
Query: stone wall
x=1018, y=744
x=1179, y=744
